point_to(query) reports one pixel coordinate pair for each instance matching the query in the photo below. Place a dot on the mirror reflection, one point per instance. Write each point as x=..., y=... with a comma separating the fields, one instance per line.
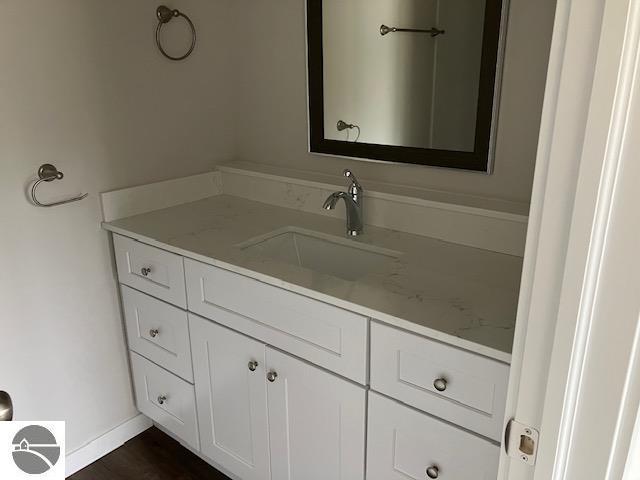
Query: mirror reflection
x=402, y=72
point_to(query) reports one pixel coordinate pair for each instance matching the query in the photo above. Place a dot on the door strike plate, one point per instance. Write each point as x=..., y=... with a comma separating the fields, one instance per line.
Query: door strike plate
x=521, y=442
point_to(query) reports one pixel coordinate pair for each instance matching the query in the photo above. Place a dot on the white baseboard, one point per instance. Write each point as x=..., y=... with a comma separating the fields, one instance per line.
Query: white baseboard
x=104, y=444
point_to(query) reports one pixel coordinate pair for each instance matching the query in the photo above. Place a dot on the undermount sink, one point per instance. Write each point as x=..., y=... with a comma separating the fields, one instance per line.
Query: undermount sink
x=340, y=257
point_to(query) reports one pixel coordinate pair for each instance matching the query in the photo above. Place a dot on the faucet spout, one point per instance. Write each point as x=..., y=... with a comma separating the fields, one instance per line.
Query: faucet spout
x=332, y=200
x=354, y=210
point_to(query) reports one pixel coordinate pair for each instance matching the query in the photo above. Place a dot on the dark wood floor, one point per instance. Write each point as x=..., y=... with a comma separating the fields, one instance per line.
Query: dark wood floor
x=152, y=455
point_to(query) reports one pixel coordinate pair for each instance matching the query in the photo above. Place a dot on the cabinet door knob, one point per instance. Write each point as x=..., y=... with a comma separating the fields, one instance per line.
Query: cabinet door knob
x=253, y=365
x=145, y=271
x=433, y=471
x=271, y=376
x=440, y=384
x=154, y=332
x=162, y=399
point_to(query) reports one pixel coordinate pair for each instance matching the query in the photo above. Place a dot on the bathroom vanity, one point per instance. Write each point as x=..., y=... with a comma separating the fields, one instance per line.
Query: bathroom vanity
x=274, y=346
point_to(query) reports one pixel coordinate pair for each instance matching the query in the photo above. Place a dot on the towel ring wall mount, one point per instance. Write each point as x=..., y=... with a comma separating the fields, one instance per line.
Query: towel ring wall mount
x=49, y=173
x=165, y=15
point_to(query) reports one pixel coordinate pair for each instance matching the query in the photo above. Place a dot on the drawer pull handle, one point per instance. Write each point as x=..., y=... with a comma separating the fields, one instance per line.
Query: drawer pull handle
x=154, y=332
x=433, y=471
x=145, y=271
x=253, y=365
x=162, y=399
x=271, y=376
x=440, y=384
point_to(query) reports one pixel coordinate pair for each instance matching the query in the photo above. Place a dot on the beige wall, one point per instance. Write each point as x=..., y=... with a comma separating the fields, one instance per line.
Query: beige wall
x=83, y=87
x=272, y=119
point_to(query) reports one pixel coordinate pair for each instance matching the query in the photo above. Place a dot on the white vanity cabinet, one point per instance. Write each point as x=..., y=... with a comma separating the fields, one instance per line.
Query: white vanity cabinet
x=272, y=385
x=264, y=414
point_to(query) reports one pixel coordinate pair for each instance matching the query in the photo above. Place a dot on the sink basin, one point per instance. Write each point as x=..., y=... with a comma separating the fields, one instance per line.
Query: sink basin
x=340, y=257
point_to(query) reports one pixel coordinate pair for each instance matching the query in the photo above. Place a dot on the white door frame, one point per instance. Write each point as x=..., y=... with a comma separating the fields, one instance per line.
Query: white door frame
x=632, y=467
x=556, y=354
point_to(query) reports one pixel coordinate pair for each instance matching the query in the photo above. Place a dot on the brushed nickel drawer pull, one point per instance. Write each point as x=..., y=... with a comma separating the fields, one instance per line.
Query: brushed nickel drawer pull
x=440, y=384
x=433, y=471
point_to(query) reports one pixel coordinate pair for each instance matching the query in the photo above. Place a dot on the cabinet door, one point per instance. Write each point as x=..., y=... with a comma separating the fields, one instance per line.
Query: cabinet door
x=404, y=444
x=229, y=372
x=316, y=422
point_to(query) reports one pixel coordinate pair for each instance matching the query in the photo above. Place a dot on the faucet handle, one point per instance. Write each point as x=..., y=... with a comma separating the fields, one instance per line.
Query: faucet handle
x=355, y=187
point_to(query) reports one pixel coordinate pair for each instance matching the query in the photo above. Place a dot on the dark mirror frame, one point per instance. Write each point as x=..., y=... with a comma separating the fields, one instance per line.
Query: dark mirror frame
x=478, y=160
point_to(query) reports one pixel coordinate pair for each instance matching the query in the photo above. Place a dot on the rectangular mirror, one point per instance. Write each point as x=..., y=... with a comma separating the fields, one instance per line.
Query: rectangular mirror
x=410, y=81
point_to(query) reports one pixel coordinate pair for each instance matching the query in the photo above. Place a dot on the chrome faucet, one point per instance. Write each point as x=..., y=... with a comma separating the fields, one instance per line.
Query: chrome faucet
x=353, y=198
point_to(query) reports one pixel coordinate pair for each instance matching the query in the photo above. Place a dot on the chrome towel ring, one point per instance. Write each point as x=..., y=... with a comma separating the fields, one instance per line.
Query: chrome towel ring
x=165, y=15
x=49, y=173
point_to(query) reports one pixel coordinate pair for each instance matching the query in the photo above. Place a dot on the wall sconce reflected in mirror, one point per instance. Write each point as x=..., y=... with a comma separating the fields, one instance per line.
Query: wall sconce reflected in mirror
x=342, y=125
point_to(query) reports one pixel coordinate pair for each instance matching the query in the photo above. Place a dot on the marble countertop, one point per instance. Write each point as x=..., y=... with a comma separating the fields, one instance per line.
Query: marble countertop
x=459, y=295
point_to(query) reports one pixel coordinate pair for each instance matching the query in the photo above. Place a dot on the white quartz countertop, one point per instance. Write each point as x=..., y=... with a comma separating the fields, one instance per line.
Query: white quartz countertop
x=459, y=295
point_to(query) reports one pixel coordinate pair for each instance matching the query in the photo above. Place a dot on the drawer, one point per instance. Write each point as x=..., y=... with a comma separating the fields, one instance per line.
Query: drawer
x=158, y=331
x=403, y=443
x=323, y=334
x=150, y=270
x=471, y=390
x=166, y=399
